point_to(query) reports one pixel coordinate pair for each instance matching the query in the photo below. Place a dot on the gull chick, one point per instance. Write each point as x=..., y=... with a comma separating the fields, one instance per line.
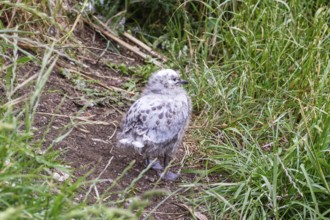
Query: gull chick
x=155, y=124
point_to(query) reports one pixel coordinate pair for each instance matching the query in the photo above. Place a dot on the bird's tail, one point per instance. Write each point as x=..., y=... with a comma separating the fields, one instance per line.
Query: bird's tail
x=125, y=142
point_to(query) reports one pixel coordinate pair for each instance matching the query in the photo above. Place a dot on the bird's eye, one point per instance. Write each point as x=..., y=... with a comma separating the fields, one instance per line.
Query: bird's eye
x=175, y=79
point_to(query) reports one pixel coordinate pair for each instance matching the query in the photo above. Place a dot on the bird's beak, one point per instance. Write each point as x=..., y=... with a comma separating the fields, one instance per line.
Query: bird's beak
x=183, y=81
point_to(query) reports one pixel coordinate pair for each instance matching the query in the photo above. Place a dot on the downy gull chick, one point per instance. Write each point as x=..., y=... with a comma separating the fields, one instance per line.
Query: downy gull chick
x=155, y=124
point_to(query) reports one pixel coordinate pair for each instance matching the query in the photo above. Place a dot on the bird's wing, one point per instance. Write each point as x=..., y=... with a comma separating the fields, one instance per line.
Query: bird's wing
x=156, y=119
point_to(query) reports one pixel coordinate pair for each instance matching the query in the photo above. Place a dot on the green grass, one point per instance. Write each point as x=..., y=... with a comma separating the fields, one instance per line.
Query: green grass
x=259, y=73
x=29, y=188
x=260, y=76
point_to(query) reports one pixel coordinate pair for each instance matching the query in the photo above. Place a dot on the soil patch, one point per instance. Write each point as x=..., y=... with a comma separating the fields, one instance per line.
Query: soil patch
x=86, y=121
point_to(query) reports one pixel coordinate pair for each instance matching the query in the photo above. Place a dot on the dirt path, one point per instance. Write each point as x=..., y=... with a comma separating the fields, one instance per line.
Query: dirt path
x=91, y=143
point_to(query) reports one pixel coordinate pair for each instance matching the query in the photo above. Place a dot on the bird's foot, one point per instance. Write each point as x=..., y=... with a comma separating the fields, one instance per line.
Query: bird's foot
x=169, y=176
x=155, y=165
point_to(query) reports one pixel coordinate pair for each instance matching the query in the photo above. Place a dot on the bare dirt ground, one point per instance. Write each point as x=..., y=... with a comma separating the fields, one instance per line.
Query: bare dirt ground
x=90, y=145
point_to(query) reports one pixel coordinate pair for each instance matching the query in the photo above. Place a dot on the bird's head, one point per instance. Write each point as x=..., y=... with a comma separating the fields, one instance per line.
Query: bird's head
x=165, y=80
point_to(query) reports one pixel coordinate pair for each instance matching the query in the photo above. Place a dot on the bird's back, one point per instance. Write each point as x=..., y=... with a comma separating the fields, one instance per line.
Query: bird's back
x=155, y=123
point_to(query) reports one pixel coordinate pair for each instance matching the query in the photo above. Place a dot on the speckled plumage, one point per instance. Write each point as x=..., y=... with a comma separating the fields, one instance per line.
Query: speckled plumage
x=155, y=123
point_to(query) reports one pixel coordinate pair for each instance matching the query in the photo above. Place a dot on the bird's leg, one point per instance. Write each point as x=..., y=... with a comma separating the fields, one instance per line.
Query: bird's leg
x=167, y=159
x=155, y=165
x=168, y=175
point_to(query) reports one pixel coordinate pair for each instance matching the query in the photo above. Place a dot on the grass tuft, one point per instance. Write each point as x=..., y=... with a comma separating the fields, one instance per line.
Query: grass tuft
x=30, y=169
x=258, y=71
